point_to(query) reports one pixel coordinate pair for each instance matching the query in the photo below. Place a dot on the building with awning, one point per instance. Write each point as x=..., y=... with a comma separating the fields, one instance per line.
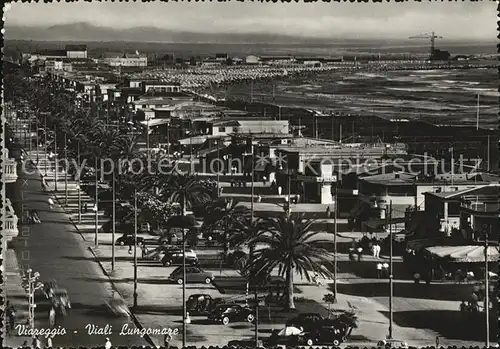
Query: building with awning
x=464, y=254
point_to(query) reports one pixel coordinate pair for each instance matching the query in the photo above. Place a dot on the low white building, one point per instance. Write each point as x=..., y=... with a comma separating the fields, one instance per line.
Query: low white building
x=76, y=51
x=127, y=61
x=251, y=59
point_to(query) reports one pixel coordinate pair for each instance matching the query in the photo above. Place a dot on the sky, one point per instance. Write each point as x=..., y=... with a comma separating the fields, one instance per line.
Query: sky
x=452, y=20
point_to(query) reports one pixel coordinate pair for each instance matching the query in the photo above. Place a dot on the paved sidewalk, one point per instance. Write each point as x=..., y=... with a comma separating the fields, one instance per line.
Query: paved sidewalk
x=17, y=296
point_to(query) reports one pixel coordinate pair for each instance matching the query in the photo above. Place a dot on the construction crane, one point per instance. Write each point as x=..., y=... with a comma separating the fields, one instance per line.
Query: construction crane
x=431, y=36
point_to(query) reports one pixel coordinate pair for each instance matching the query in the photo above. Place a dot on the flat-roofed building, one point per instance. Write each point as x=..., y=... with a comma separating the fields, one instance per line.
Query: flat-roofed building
x=127, y=60
x=248, y=126
x=76, y=51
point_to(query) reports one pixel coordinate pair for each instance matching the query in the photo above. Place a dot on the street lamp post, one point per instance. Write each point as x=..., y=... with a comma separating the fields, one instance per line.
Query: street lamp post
x=45, y=147
x=335, y=246
x=29, y=129
x=391, y=276
x=114, y=227
x=78, y=185
x=96, y=209
x=37, y=143
x=56, y=163
x=33, y=285
x=388, y=218
x=65, y=170
x=135, y=249
x=486, y=290
x=218, y=167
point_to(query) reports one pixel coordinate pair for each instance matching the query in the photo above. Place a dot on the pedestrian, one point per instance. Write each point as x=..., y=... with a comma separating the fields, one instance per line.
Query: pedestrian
x=359, y=250
x=38, y=343
x=108, y=344
x=51, y=203
x=259, y=198
x=264, y=179
x=52, y=317
x=85, y=207
x=279, y=190
x=49, y=342
x=437, y=342
x=416, y=278
x=385, y=268
x=166, y=340
x=328, y=212
x=315, y=279
x=379, y=270
x=377, y=250
x=188, y=318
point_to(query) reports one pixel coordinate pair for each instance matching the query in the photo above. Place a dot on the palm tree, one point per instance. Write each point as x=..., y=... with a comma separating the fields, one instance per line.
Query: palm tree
x=187, y=190
x=288, y=244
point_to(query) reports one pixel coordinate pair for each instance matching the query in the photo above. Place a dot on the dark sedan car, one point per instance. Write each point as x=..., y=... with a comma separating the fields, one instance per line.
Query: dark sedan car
x=127, y=239
x=176, y=258
x=328, y=335
x=227, y=313
x=193, y=274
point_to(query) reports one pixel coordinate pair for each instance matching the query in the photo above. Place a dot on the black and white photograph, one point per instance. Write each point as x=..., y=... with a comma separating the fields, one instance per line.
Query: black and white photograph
x=250, y=174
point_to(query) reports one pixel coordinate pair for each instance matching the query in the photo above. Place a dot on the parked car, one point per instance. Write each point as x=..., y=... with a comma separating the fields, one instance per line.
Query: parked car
x=193, y=274
x=392, y=343
x=307, y=321
x=326, y=335
x=128, y=239
x=202, y=304
x=226, y=313
x=176, y=258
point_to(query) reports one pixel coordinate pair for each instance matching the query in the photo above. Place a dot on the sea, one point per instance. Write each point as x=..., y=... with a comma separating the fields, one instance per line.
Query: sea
x=446, y=97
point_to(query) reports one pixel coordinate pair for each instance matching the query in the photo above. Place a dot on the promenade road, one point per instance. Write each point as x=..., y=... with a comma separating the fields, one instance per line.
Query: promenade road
x=57, y=251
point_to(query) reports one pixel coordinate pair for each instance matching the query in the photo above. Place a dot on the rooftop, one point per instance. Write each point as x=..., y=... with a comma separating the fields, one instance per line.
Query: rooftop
x=249, y=122
x=337, y=149
x=404, y=178
x=76, y=47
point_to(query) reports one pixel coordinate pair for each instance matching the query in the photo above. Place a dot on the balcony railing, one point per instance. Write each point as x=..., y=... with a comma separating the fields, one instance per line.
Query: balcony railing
x=10, y=230
x=9, y=168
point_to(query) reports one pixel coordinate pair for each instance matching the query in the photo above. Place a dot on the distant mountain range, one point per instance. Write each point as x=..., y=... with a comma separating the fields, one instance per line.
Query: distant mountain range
x=88, y=32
